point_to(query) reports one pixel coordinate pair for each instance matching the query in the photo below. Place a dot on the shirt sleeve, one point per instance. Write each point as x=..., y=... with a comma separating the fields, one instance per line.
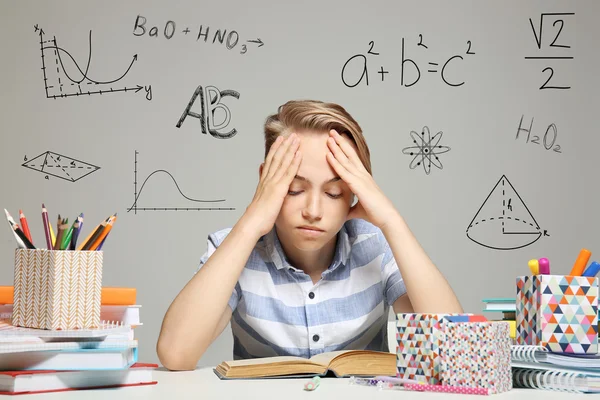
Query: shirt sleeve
x=211, y=246
x=392, y=279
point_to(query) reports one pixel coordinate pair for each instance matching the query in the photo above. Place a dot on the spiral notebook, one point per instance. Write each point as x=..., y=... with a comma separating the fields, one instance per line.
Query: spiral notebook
x=538, y=354
x=559, y=379
x=536, y=367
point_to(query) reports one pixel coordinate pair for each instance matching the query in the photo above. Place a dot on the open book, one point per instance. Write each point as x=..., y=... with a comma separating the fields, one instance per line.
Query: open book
x=341, y=363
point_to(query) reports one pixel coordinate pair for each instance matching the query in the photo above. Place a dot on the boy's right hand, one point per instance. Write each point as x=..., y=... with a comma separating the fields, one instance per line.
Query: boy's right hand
x=279, y=170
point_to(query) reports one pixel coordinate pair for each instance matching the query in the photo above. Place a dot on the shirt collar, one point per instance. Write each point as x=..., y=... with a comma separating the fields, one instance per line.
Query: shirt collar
x=277, y=255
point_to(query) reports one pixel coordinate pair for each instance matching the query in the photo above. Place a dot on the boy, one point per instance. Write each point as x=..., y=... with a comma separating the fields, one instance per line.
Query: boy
x=316, y=259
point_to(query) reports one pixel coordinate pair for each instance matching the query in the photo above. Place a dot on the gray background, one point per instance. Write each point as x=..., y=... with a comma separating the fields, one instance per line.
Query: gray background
x=305, y=47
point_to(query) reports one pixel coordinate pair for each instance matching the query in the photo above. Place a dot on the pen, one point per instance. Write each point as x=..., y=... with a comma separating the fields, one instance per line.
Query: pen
x=396, y=383
x=25, y=225
x=544, y=264
x=425, y=387
x=46, y=227
x=380, y=381
x=592, y=270
x=20, y=242
x=534, y=266
x=580, y=262
x=399, y=381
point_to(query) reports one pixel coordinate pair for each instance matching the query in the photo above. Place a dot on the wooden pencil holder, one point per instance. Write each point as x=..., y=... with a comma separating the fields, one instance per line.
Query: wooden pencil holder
x=57, y=289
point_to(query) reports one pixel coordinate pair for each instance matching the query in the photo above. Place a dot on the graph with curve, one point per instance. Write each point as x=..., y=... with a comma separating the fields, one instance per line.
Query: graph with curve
x=65, y=77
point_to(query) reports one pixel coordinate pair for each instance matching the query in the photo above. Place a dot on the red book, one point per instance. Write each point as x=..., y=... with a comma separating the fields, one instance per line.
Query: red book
x=29, y=382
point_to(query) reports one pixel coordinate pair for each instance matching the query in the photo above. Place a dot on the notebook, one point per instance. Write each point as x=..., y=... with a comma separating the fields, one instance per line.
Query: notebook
x=29, y=382
x=69, y=360
x=559, y=379
x=126, y=315
x=105, y=328
x=23, y=346
x=500, y=304
x=539, y=354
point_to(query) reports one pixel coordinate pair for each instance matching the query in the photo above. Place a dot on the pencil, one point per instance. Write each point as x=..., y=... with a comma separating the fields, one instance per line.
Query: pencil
x=52, y=235
x=76, y=230
x=58, y=222
x=88, y=244
x=66, y=242
x=61, y=228
x=11, y=221
x=25, y=225
x=87, y=239
x=21, y=235
x=104, y=232
x=46, y=227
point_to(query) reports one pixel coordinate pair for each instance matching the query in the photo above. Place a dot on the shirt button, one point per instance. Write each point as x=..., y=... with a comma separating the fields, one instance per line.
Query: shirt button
x=311, y=295
x=316, y=338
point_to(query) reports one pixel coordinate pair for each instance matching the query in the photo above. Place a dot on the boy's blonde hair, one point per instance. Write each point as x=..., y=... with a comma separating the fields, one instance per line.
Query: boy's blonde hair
x=317, y=116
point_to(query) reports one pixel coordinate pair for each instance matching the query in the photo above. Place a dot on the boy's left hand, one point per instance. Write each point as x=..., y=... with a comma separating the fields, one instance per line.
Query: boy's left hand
x=373, y=205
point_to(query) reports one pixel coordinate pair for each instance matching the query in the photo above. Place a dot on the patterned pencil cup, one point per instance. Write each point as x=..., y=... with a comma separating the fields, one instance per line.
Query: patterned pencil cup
x=477, y=355
x=57, y=289
x=420, y=339
x=559, y=312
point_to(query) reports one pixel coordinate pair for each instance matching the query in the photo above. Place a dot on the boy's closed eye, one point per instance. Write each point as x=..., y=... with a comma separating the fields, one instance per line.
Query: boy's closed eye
x=334, y=192
x=332, y=195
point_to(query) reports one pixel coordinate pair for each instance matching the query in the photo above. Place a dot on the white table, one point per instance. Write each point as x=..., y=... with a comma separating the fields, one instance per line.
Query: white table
x=204, y=384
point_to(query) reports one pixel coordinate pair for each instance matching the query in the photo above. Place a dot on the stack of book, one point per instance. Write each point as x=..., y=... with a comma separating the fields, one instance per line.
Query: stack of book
x=39, y=360
x=504, y=309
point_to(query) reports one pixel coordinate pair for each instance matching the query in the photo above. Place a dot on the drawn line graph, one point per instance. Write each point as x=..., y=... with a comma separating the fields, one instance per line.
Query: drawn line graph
x=137, y=194
x=60, y=83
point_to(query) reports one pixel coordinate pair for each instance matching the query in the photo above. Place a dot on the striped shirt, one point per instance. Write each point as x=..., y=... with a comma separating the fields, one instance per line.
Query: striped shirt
x=278, y=311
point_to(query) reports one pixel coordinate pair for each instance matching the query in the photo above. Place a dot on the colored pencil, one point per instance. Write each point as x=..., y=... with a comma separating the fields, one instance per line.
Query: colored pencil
x=61, y=229
x=95, y=235
x=76, y=230
x=46, y=227
x=87, y=239
x=25, y=225
x=21, y=235
x=104, y=232
x=11, y=221
x=52, y=235
x=66, y=242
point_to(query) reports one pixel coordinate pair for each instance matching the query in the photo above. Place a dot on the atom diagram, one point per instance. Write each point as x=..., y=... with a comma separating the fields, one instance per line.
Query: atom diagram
x=426, y=150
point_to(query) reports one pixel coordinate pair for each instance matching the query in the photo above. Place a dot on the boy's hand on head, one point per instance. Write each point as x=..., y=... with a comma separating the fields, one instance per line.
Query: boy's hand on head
x=372, y=205
x=278, y=172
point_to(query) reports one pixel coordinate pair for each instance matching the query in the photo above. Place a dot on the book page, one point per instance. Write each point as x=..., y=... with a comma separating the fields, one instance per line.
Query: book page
x=267, y=360
x=326, y=358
